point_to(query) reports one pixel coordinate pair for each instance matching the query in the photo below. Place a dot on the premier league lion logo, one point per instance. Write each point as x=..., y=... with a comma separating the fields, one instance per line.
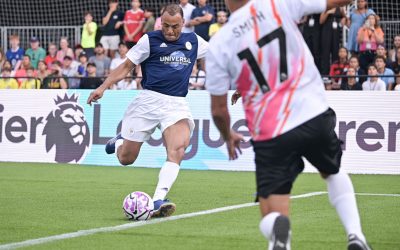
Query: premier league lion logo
x=67, y=130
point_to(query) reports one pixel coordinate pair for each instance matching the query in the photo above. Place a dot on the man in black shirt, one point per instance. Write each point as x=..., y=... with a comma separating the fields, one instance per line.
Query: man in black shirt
x=112, y=22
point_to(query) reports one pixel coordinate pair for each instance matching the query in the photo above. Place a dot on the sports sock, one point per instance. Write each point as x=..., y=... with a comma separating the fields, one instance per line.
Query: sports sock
x=167, y=176
x=342, y=197
x=117, y=144
x=267, y=224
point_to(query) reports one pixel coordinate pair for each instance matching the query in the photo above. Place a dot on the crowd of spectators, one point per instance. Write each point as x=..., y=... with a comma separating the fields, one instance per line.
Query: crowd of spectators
x=104, y=46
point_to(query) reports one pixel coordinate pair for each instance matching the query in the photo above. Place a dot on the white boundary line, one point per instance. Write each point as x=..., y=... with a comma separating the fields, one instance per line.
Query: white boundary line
x=150, y=222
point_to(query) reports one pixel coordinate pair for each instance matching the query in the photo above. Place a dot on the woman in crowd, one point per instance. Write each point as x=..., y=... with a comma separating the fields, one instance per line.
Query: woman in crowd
x=350, y=82
x=396, y=45
x=65, y=50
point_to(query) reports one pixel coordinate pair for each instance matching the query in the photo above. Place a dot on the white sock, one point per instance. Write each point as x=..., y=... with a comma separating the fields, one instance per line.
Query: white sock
x=267, y=224
x=342, y=197
x=167, y=176
x=117, y=144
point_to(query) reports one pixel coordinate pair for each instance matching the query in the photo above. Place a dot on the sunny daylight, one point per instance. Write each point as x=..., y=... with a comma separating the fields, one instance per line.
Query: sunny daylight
x=200, y=124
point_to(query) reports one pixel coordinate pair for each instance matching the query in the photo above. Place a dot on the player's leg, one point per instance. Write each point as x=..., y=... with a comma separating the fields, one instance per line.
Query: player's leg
x=176, y=138
x=325, y=153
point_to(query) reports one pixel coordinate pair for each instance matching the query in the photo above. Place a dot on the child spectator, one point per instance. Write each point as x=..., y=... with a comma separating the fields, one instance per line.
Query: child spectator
x=42, y=70
x=31, y=82
x=338, y=68
x=52, y=54
x=385, y=73
x=65, y=50
x=21, y=72
x=350, y=82
x=373, y=83
x=355, y=64
x=35, y=52
x=150, y=20
x=112, y=22
x=91, y=81
x=89, y=30
x=55, y=80
x=8, y=83
x=133, y=24
x=15, y=53
x=83, y=60
x=122, y=50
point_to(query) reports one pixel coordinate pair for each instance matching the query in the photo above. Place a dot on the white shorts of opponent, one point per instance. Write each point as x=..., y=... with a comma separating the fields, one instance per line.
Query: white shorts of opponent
x=151, y=110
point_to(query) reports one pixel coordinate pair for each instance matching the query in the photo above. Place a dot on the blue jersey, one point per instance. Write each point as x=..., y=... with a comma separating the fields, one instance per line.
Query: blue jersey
x=167, y=66
x=15, y=56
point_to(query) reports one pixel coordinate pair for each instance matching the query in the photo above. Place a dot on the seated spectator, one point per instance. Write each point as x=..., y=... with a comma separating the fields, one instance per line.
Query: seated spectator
x=360, y=73
x=373, y=83
x=7, y=64
x=338, y=68
x=368, y=38
x=71, y=72
x=78, y=50
x=397, y=86
x=127, y=83
x=88, y=40
x=101, y=60
x=122, y=50
x=21, y=72
x=381, y=51
x=112, y=22
x=2, y=59
x=150, y=20
x=350, y=82
x=31, y=82
x=222, y=18
x=83, y=60
x=42, y=70
x=197, y=78
x=354, y=22
x=52, y=54
x=35, y=52
x=395, y=66
x=386, y=74
x=202, y=17
x=65, y=50
x=55, y=80
x=91, y=81
x=393, y=52
x=15, y=53
x=8, y=83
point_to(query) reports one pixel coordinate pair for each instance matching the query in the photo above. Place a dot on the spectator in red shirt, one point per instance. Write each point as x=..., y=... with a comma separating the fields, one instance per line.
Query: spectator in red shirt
x=338, y=68
x=52, y=54
x=133, y=24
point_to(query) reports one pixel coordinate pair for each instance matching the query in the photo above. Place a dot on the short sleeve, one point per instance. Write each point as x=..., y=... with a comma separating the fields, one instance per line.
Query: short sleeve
x=218, y=82
x=140, y=51
x=299, y=8
x=202, y=48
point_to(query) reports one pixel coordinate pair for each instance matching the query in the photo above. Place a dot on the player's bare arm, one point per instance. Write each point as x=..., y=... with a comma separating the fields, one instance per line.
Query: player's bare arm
x=235, y=97
x=221, y=117
x=337, y=3
x=116, y=75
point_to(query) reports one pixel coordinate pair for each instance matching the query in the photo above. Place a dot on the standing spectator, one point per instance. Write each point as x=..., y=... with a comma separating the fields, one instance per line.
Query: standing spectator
x=133, y=24
x=331, y=22
x=89, y=30
x=395, y=66
x=368, y=38
x=101, y=60
x=373, y=83
x=55, y=80
x=150, y=20
x=15, y=53
x=83, y=60
x=42, y=70
x=65, y=50
x=35, y=52
x=187, y=13
x=2, y=59
x=202, y=17
x=396, y=45
x=386, y=73
x=355, y=64
x=312, y=36
x=31, y=82
x=338, y=68
x=122, y=50
x=350, y=82
x=355, y=21
x=70, y=71
x=8, y=83
x=157, y=25
x=222, y=18
x=91, y=81
x=52, y=54
x=112, y=22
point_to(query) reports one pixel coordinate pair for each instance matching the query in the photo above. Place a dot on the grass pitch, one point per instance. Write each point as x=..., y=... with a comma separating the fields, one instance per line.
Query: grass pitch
x=40, y=200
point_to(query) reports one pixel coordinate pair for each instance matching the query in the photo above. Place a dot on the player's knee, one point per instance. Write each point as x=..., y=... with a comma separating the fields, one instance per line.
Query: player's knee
x=176, y=154
x=126, y=160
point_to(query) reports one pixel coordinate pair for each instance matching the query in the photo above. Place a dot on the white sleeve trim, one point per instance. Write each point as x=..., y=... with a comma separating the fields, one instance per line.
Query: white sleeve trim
x=140, y=51
x=202, y=47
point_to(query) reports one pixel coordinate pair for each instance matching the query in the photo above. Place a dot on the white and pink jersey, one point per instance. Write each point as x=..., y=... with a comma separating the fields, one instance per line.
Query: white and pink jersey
x=262, y=52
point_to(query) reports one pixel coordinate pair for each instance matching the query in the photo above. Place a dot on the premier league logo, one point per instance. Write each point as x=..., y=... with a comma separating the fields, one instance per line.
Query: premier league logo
x=66, y=129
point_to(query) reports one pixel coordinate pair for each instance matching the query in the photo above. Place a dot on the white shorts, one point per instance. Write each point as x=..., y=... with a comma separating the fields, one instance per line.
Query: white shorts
x=110, y=42
x=151, y=110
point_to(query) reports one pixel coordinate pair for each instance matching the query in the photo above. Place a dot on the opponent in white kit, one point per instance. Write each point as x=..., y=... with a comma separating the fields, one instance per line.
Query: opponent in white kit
x=262, y=51
x=167, y=58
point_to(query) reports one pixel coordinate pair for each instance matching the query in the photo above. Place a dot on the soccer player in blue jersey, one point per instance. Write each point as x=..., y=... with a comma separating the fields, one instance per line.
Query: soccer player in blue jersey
x=167, y=57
